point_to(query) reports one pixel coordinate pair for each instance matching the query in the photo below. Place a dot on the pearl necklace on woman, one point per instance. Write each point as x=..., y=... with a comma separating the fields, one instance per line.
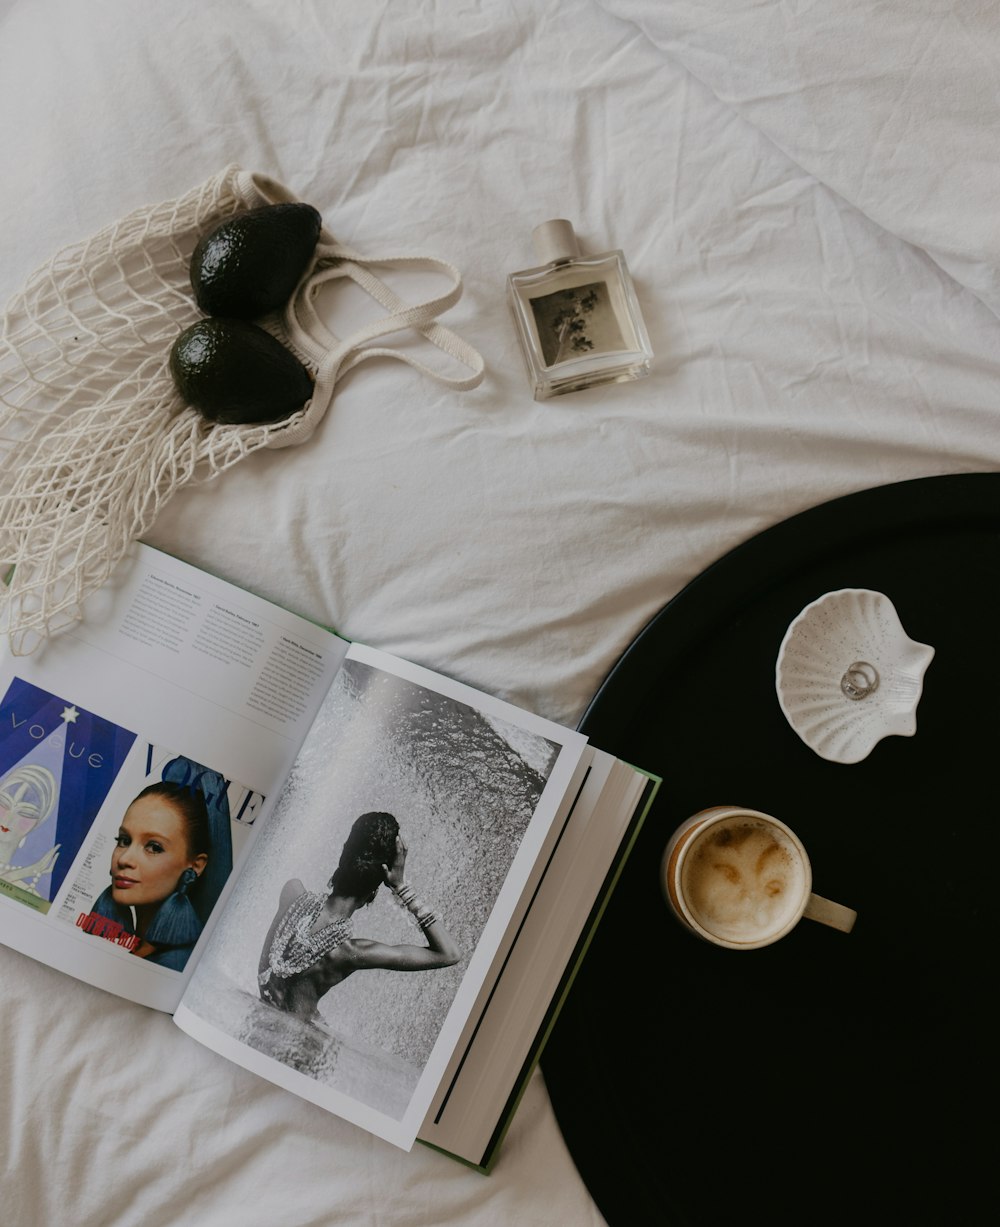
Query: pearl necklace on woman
x=295, y=947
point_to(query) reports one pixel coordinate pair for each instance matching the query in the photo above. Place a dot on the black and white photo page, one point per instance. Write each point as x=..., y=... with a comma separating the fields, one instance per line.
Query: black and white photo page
x=355, y=943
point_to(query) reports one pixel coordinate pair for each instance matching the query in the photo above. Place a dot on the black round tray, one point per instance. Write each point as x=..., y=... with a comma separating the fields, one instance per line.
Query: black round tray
x=830, y=1077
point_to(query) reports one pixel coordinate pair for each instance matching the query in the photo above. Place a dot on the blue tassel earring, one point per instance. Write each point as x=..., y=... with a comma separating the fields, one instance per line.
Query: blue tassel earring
x=176, y=923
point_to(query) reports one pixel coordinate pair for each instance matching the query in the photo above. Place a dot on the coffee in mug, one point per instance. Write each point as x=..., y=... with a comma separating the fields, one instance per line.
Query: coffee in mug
x=742, y=879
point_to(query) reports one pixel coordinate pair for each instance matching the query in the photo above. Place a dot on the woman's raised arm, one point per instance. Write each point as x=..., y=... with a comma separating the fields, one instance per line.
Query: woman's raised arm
x=441, y=949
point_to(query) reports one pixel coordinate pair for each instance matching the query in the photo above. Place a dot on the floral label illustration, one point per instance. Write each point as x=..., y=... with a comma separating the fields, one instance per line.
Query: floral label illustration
x=57, y=764
x=573, y=323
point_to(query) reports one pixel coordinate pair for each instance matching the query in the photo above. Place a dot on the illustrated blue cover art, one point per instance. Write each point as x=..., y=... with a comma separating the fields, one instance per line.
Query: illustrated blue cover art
x=57, y=763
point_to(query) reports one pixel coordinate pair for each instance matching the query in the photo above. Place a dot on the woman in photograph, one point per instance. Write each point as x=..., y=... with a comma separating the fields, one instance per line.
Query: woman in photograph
x=27, y=798
x=310, y=946
x=168, y=838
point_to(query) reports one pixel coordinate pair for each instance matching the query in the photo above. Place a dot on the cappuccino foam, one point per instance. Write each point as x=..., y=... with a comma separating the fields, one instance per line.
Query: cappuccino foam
x=743, y=879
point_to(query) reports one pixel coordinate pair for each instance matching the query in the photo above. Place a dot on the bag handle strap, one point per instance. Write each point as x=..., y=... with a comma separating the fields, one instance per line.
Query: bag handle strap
x=333, y=357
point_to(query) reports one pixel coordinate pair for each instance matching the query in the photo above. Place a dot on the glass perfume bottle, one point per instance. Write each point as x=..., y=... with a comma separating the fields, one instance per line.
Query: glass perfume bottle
x=577, y=316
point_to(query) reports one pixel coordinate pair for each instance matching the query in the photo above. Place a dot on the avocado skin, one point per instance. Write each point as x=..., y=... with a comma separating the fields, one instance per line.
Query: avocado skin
x=232, y=371
x=251, y=263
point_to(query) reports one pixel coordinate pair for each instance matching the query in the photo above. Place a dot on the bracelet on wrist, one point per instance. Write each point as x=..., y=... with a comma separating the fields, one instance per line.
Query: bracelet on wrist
x=406, y=898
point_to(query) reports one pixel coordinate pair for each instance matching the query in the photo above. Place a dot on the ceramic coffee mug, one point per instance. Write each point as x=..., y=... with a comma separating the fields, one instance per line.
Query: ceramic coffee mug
x=742, y=879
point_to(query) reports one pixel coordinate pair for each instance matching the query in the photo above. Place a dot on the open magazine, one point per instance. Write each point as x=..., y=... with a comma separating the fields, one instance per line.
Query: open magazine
x=358, y=878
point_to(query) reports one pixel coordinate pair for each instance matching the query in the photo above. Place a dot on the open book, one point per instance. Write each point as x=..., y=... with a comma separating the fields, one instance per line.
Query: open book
x=355, y=877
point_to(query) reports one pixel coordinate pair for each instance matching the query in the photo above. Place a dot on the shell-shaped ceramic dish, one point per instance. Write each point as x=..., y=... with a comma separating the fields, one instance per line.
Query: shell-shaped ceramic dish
x=848, y=675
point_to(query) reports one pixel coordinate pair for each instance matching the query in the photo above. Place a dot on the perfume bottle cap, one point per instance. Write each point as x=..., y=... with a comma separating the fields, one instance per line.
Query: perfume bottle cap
x=555, y=240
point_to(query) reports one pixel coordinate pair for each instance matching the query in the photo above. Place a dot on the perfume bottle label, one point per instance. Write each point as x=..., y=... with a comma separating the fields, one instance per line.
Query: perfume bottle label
x=576, y=321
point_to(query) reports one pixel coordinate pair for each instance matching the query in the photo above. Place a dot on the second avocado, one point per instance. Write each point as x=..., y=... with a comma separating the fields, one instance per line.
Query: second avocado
x=233, y=371
x=251, y=263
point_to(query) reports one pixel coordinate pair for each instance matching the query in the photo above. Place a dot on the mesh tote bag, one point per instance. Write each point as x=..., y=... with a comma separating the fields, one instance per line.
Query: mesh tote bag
x=95, y=438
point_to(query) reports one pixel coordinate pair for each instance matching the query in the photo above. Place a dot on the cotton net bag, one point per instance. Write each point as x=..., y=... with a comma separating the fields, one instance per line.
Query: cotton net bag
x=94, y=437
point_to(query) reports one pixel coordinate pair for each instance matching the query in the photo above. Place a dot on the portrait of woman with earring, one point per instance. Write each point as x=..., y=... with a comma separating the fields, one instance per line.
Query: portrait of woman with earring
x=172, y=834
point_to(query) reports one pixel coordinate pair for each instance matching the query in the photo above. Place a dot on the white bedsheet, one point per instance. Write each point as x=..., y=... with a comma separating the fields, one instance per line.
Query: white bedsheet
x=807, y=205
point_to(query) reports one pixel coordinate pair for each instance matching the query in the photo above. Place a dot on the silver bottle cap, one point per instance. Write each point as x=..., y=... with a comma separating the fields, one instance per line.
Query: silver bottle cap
x=555, y=240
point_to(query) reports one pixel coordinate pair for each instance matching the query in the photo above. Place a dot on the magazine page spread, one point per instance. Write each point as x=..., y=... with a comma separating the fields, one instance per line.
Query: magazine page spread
x=140, y=751
x=354, y=945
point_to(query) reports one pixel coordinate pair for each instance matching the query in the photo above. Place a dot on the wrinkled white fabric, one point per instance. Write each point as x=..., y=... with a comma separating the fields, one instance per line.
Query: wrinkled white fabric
x=806, y=345
x=894, y=104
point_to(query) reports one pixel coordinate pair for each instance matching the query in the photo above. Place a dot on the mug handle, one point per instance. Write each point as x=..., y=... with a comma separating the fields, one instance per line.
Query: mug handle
x=829, y=913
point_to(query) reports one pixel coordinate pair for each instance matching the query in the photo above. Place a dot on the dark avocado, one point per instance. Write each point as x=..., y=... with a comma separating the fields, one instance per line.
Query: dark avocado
x=251, y=264
x=232, y=371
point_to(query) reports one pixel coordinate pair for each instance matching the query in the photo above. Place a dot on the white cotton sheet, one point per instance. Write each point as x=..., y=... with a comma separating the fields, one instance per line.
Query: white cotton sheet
x=893, y=104
x=811, y=235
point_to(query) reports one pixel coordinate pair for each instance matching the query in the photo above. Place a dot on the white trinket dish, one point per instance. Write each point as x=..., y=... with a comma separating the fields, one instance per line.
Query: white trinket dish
x=847, y=674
